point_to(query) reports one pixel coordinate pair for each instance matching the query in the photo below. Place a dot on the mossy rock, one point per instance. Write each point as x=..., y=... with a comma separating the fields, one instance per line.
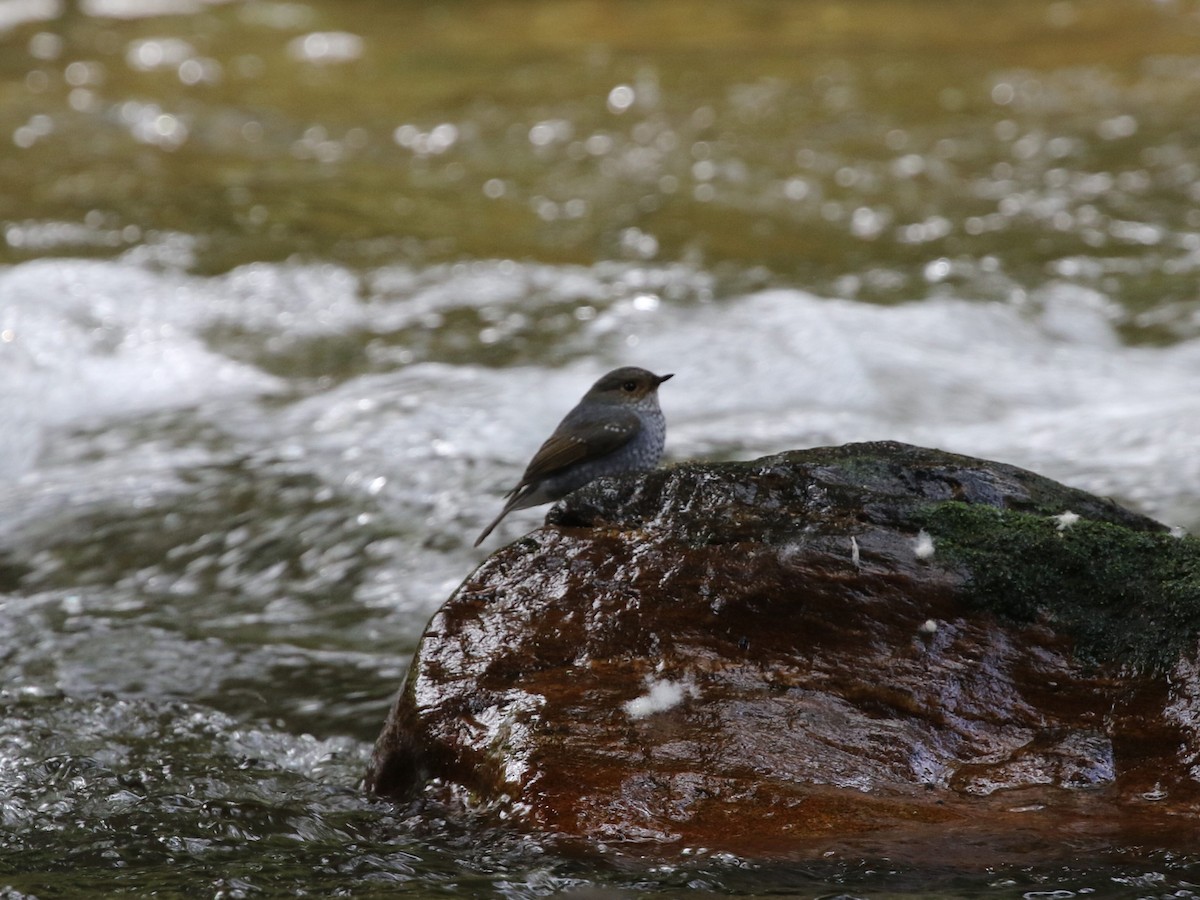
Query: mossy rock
x=1119, y=584
x=1125, y=596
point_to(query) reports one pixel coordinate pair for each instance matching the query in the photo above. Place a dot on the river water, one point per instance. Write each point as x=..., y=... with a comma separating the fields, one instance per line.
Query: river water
x=290, y=291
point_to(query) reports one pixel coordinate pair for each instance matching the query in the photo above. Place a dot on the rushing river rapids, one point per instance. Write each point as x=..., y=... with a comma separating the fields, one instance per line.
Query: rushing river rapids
x=288, y=299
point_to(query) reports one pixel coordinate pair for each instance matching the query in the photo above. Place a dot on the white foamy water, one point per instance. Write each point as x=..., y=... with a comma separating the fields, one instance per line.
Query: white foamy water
x=1046, y=385
x=119, y=379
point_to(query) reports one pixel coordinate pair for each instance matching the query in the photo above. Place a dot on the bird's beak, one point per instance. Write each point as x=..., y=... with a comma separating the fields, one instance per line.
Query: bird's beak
x=662, y=378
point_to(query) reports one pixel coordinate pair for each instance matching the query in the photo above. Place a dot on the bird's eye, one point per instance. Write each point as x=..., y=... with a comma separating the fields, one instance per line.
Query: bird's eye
x=629, y=387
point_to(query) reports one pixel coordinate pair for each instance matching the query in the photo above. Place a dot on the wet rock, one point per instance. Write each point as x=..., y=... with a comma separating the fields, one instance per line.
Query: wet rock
x=876, y=647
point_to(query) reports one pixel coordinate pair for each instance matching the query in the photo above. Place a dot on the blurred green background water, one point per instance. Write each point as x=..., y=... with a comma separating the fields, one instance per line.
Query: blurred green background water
x=841, y=146
x=277, y=278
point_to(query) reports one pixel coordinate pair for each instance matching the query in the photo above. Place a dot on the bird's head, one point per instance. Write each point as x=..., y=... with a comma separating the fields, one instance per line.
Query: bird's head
x=629, y=384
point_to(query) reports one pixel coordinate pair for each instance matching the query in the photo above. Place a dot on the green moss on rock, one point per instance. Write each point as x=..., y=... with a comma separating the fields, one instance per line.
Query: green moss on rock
x=1125, y=596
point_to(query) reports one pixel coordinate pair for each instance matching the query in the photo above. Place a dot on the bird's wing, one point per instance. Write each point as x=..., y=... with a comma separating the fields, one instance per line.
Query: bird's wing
x=575, y=441
x=572, y=442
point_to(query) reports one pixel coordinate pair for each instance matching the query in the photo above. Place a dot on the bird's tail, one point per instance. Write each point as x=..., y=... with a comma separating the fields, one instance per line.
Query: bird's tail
x=515, y=497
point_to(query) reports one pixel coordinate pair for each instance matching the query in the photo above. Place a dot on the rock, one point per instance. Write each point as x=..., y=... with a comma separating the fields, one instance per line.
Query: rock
x=877, y=648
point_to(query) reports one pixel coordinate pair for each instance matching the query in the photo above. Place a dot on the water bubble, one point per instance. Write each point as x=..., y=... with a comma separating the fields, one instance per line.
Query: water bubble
x=150, y=124
x=621, y=98
x=1117, y=127
x=78, y=74
x=546, y=209
x=436, y=141
x=38, y=126
x=405, y=135
x=45, y=46
x=637, y=243
x=155, y=53
x=326, y=47
x=82, y=100
x=868, y=223
x=197, y=71
x=796, y=188
x=443, y=137
x=908, y=166
x=550, y=131
x=932, y=229
x=937, y=270
x=1060, y=147
x=598, y=144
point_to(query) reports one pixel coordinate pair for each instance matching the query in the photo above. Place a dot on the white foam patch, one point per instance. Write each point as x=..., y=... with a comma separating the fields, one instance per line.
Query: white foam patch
x=923, y=545
x=1046, y=384
x=660, y=696
x=1065, y=521
x=84, y=342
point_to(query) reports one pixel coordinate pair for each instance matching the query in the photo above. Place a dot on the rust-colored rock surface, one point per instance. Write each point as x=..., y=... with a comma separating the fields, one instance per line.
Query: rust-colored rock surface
x=878, y=647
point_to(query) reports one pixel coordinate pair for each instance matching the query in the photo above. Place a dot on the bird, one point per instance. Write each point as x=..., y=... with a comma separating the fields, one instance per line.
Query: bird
x=617, y=427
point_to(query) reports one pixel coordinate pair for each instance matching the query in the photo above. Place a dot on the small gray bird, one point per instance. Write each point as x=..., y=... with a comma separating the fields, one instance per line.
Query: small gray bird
x=617, y=427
